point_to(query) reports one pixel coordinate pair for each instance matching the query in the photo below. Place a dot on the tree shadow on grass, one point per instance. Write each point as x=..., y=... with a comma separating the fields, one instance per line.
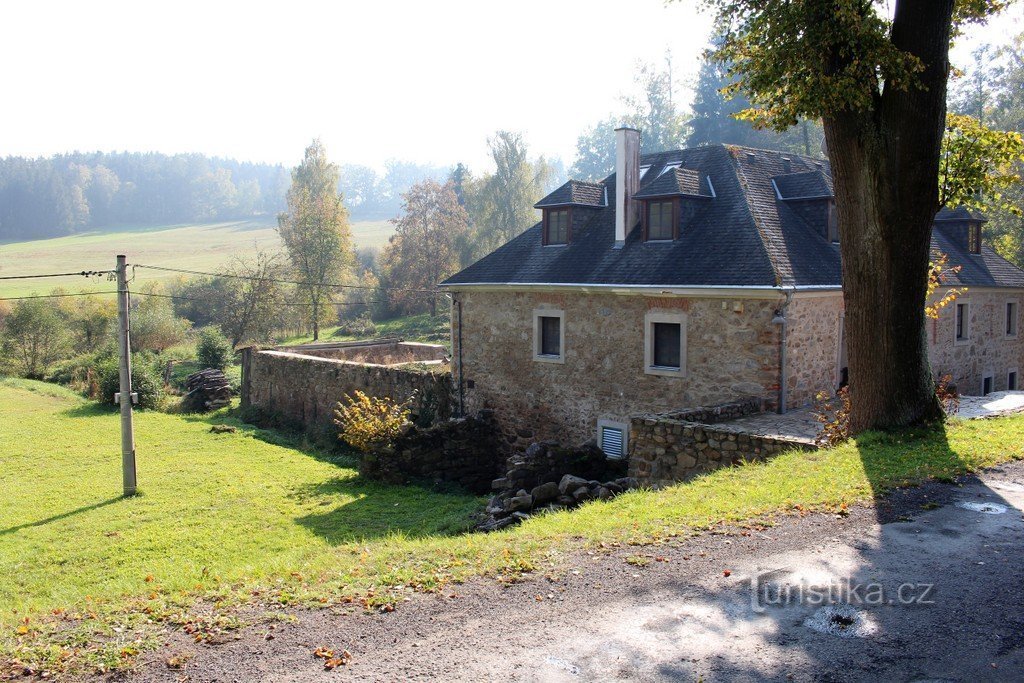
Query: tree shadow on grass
x=357, y=509
x=63, y=515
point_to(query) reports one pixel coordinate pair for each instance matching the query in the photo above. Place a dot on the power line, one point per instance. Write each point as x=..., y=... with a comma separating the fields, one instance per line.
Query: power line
x=282, y=303
x=287, y=282
x=83, y=273
x=54, y=296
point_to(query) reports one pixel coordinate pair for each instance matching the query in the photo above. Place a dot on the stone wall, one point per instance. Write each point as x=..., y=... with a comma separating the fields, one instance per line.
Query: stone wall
x=665, y=448
x=383, y=352
x=812, y=346
x=301, y=391
x=988, y=350
x=463, y=451
x=732, y=352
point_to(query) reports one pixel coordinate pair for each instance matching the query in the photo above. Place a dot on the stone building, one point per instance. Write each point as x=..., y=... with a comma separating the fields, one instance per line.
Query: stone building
x=705, y=276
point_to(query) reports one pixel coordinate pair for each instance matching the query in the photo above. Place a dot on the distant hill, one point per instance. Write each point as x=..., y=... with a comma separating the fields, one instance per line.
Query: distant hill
x=206, y=247
x=73, y=193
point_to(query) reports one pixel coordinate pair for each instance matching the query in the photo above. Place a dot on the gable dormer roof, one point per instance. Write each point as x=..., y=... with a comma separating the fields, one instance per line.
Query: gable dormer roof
x=576, y=193
x=675, y=182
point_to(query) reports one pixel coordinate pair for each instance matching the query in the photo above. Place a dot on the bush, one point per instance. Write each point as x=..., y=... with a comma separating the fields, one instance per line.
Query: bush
x=146, y=382
x=34, y=337
x=154, y=325
x=214, y=350
x=368, y=422
x=362, y=326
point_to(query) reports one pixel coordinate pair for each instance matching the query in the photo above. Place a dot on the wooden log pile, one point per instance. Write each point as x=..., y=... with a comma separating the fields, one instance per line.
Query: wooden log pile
x=206, y=390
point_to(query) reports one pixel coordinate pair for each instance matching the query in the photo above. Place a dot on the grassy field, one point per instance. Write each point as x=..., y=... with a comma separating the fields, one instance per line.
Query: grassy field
x=196, y=247
x=86, y=577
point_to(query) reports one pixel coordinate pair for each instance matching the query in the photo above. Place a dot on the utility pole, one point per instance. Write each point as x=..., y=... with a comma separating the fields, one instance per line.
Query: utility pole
x=125, y=397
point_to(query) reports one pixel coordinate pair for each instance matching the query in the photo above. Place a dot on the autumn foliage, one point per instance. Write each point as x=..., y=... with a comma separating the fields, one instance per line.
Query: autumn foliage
x=367, y=422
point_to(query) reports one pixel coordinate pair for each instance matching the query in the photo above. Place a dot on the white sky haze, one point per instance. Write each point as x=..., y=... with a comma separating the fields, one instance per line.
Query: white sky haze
x=423, y=81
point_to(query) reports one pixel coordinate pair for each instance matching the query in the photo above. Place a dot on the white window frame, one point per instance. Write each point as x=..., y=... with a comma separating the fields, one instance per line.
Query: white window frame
x=657, y=317
x=1016, y=320
x=1008, y=373
x=539, y=313
x=621, y=426
x=967, y=322
x=991, y=377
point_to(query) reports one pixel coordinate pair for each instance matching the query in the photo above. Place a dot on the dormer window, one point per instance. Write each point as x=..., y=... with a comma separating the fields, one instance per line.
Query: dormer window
x=660, y=217
x=974, y=238
x=556, y=226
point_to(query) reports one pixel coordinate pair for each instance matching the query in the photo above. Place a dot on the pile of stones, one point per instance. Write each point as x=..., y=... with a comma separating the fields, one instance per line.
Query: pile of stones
x=536, y=481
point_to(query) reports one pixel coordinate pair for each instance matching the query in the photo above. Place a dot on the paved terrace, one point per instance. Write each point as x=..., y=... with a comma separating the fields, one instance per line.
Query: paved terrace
x=799, y=424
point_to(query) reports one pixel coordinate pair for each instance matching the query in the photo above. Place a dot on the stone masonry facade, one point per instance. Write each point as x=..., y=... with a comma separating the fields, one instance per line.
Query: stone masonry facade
x=988, y=350
x=731, y=353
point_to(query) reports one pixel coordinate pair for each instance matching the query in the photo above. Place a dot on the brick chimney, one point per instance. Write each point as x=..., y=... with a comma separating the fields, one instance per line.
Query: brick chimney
x=627, y=182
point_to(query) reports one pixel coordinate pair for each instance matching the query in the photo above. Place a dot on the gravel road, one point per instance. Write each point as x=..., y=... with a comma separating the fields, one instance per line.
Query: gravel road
x=690, y=614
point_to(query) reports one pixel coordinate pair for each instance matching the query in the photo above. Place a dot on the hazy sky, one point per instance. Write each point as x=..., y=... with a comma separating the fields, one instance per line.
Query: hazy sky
x=425, y=81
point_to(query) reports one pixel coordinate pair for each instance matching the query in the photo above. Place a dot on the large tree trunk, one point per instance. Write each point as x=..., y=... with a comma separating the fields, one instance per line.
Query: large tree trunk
x=885, y=162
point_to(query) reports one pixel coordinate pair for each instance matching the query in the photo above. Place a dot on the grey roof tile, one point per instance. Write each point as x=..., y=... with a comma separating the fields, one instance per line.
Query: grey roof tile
x=744, y=236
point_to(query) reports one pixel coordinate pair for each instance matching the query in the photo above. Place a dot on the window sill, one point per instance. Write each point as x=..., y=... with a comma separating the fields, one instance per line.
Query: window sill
x=962, y=342
x=1010, y=337
x=658, y=241
x=664, y=371
x=561, y=244
x=549, y=359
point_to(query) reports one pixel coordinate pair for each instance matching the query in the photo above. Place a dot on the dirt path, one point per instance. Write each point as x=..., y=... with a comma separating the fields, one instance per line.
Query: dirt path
x=603, y=618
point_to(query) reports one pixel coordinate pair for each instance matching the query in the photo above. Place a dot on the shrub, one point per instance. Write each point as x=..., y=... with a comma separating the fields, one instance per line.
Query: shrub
x=34, y=338
x=146, y=382
x=214, y=350
x=362, y=326
x=368, y=422
x=154, y=325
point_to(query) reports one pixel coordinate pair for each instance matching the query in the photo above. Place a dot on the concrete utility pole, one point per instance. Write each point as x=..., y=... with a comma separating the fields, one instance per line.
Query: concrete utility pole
x=125, y=397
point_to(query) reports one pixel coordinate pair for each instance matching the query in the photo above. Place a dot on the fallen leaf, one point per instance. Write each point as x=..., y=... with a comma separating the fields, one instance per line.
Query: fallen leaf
x=727, y=572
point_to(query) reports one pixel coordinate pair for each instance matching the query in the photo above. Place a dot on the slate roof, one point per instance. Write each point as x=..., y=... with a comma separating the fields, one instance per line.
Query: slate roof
x=676, y=182
x=575, y=193
x=960, y=213
x=742, y=237
x=808, y=184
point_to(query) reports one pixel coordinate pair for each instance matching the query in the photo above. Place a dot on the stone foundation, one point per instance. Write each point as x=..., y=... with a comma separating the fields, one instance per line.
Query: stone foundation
x=679, y=446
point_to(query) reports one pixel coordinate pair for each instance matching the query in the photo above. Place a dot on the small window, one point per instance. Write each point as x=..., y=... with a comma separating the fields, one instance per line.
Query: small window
x=962, y=322
x=665, y=350
x=659, y=221
x=1011, y=380
x=556, y=226
x=833, y=223
x=974, y=238
x=986, y=385
x=549, y=335
x=666, y=345
x=1011, y=319
x=611, y=438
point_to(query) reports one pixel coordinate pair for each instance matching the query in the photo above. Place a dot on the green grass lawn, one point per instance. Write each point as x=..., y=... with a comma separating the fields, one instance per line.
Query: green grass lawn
x=195, y=247
x=250, y=517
